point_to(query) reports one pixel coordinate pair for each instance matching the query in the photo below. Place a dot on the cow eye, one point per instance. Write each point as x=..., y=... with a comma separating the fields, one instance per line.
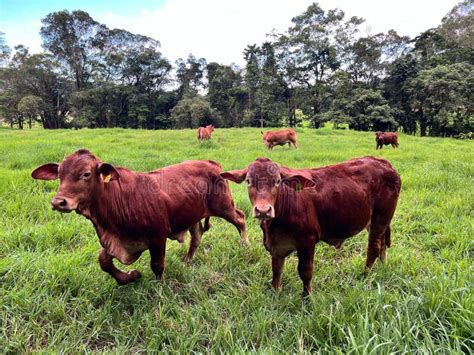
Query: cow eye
x=86, y=175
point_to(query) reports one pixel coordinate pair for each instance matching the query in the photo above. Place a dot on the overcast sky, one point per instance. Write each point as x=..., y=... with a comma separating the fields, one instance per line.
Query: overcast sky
x=217, y=30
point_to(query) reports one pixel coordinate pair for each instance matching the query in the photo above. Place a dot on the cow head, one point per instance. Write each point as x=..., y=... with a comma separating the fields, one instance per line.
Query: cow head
x=210, y=127
x=379, y=136
x=265, y=140
x=81, y=174
x=264, y=180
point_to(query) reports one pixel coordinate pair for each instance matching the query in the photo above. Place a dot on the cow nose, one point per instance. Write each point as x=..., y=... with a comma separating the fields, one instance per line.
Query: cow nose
x=263, y=211
x=59, y=203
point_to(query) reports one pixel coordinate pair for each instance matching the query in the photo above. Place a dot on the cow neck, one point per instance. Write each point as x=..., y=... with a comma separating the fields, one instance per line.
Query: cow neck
x=112, y=206
x=281, y=202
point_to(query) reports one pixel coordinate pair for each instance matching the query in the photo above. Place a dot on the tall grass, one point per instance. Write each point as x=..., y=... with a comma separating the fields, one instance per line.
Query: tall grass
x=55, y=297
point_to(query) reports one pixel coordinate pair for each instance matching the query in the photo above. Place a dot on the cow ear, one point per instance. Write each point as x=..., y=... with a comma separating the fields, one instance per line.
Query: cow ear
x=236, y=176
x=297, y=182
x=108, y=172
x=46, y=172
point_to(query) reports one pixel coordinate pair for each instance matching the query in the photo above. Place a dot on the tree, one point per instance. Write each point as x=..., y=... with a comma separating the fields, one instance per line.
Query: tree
x=458, y=25
x=31, y=107
x=192, y=112
x=74, y=39
x=368, y=110
x=252, y=82
x=189, y=75
x=397, y=91
x=226, y=93
x=5, y=51
x=443, y=98
x=35, y=75
x=371, y=55
x=317, y=38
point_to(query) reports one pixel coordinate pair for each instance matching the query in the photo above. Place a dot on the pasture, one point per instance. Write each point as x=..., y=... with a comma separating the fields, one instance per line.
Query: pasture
x=55, y=297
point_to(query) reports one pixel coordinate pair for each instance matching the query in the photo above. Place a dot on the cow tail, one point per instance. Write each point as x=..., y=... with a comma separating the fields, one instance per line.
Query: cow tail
x=199, y=133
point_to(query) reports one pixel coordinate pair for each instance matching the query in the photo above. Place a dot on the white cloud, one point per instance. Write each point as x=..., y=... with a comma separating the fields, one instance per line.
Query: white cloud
x=215, y=29
x=26, y=33
x=219, y=30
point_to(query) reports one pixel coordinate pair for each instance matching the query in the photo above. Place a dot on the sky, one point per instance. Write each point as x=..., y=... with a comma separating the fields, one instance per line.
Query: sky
x=217, y=30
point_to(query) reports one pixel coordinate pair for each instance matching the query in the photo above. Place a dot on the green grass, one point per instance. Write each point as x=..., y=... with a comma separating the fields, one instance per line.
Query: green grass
x=55, y=297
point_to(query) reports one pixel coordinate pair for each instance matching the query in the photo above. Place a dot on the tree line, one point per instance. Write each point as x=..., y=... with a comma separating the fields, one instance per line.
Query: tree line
x=321, y=69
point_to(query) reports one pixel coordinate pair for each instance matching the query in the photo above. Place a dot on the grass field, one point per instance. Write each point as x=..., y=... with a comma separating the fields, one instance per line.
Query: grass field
x=55, y=297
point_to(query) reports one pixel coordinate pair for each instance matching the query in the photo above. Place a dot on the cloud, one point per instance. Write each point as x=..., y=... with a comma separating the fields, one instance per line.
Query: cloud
x=215, y=29
x=26, y=33
x=219, y=30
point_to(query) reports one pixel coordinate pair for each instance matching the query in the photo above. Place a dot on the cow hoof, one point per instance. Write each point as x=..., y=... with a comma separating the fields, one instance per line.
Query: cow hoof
x=245, y=242
x=128, y=277
x=187, y=259
x=134, y=275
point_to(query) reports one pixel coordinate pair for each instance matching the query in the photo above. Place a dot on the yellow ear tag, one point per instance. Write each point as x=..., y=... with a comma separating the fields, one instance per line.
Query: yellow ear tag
x=108, y=178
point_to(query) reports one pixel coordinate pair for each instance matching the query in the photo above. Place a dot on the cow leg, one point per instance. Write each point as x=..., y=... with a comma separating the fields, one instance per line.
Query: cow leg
x=196, y=232
x=305, y=266
x=385, y=244
x=107, y=265
x=277, y=268
x=237, y=218
x=157, y=261
x=294, y=144
x=376, y=243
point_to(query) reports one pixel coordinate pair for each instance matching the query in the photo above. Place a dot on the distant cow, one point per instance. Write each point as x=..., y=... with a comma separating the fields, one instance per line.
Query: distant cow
x=299, y=207
x=281, y=137
x=205, y=133
x=386, y=138
x=133, y=212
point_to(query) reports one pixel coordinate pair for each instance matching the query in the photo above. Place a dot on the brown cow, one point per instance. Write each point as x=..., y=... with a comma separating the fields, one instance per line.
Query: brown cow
x=281, y=137
x=205, y=133
x=299, y=207
x=386, y=138
x=133, y=212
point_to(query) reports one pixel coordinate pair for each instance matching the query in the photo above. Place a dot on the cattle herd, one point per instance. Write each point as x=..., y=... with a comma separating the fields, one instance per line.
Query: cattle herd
x=133, y=212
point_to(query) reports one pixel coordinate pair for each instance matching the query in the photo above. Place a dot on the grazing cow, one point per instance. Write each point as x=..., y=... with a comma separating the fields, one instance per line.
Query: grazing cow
x=133, y=212
x=299, y=207
x=204, y=133
x=281, y=137
x=386, y=138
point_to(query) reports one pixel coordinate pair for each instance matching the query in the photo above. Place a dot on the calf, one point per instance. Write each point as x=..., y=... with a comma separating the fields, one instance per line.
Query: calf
x=133, y=212
x=281, y=137
x=299, y=207
x=205, y=133
x=386, y=138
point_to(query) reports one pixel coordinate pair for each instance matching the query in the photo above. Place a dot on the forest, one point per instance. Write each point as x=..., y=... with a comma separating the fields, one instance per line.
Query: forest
x=321, y=69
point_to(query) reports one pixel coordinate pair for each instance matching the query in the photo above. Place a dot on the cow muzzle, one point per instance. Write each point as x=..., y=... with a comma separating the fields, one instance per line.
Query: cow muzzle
x=62, y=204
x=263, y=211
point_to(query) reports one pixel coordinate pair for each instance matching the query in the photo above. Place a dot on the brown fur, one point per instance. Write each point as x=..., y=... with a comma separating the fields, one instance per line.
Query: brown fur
x=300, y=207
x=205, y=133
x=281, y=137
x=386, y=138
x=133, y=212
